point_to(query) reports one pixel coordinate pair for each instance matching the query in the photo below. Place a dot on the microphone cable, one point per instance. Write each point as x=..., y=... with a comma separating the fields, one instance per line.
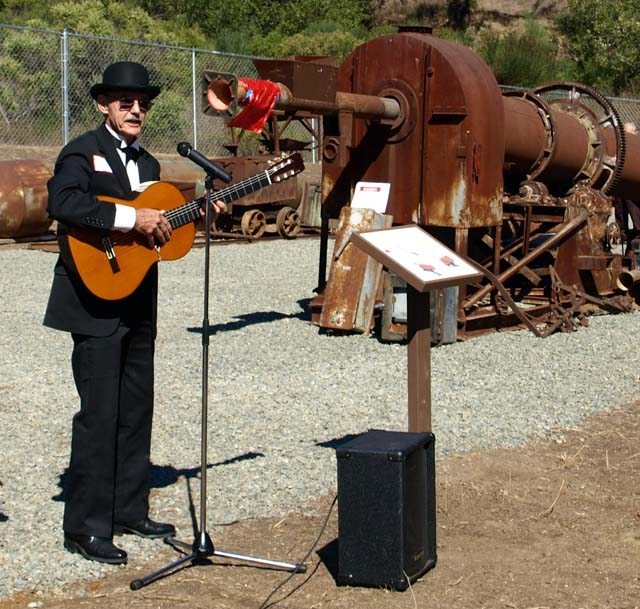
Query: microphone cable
x=265, y=603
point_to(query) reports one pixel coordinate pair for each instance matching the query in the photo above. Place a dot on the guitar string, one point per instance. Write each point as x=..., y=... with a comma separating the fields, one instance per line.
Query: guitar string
x=182, y=213
x=189, y=211
x=186, y=212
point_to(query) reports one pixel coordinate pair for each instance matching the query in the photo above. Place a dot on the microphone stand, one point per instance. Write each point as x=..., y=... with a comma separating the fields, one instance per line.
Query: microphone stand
x=202, y=547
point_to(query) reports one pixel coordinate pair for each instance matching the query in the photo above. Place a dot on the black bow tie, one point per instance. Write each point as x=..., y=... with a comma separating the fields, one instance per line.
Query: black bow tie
x=131, y=154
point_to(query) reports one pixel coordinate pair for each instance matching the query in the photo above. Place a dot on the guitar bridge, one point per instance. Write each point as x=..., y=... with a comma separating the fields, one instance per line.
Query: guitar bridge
x=111, y=254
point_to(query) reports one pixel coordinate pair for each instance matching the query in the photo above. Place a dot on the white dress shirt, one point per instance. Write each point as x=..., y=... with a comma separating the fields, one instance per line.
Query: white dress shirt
x=125, y=218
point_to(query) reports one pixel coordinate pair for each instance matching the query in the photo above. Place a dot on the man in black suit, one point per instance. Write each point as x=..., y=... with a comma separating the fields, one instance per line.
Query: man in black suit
x=107, y=489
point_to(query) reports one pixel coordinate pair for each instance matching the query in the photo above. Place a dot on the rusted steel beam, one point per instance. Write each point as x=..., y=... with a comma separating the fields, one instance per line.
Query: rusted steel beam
x=564, y=233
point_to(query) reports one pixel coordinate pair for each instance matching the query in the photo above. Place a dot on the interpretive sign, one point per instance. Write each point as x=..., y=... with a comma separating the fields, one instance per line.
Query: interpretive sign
x=425, y=264
x=420, y=259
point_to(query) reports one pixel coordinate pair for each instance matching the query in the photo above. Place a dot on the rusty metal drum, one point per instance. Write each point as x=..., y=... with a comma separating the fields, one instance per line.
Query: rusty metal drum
x=23, y=198
x=444, y=150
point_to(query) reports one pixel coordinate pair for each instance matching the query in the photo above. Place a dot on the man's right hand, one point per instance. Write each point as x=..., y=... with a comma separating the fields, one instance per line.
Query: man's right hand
x=153, y=224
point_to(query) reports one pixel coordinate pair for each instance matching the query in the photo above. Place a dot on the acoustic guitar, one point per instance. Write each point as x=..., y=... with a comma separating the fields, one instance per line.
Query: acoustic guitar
x=112, y=264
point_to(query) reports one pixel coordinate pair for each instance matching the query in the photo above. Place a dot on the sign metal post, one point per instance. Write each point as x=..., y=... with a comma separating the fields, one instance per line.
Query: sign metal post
x=425, y=264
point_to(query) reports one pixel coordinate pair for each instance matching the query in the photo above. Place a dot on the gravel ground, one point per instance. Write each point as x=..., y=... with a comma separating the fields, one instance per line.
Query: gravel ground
x=279, y=392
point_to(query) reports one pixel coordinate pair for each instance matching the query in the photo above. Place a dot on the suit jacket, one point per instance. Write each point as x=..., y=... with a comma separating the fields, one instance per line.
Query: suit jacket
x=89, y=166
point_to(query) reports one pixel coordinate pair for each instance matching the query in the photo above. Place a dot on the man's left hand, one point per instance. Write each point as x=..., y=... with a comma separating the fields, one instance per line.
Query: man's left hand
x=216, y=208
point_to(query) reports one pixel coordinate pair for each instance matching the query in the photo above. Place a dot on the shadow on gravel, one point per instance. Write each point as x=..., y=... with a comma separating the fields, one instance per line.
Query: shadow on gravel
x=3, y=517
x=165, y=475
x=335, y=442
x=259, y=317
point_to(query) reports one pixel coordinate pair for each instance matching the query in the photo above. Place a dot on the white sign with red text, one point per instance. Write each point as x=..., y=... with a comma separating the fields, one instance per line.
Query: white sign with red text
x=371, y=195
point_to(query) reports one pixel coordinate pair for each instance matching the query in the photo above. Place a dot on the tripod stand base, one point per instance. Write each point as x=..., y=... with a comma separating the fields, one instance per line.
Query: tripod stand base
x=200, y=550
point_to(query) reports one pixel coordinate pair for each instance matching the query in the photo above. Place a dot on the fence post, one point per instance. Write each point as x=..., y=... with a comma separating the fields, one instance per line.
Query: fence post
x=194, y=97
x=65, y=87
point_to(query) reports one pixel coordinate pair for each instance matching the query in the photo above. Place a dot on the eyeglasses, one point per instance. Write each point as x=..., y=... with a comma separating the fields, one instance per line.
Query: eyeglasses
x=126, y=103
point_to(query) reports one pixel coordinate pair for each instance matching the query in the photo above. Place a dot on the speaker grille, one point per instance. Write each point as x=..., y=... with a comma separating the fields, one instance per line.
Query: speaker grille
x=386, y=508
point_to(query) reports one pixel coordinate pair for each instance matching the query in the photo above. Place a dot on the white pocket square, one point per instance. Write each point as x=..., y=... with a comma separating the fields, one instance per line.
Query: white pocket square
x=100, y=164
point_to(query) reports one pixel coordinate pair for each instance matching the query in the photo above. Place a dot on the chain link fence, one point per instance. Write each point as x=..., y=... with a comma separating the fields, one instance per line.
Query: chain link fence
x=45, y=78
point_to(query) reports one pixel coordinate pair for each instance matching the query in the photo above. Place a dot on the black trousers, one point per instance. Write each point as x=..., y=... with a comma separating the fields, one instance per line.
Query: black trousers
x=108, y=475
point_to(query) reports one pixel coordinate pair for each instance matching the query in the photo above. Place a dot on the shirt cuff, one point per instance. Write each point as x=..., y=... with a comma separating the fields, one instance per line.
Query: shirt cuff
x=125, y=217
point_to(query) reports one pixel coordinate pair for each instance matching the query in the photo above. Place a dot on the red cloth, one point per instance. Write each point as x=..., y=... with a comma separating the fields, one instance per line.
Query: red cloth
x=260, y=98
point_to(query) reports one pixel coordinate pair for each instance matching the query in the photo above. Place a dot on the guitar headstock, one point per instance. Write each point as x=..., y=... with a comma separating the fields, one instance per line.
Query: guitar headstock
x=285, y=168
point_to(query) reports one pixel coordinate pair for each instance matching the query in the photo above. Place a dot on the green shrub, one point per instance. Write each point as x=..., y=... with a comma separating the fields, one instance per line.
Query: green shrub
x=604, y=41
x=524, y=58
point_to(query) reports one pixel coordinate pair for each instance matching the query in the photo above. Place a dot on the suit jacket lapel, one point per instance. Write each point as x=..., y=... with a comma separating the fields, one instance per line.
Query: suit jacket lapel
x=145, y=167
x=108, y=147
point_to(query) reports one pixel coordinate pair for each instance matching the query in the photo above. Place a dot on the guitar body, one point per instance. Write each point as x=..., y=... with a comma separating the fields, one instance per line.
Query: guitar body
x=112, y=264
x=116, y=278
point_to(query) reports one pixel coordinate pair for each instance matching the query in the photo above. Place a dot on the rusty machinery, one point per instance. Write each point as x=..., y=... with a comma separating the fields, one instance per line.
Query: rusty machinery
x=23, y=199
x=520, y=182
x=267, y=210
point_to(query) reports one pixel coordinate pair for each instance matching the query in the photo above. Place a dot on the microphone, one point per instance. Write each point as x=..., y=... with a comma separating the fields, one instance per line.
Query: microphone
x=215, y=171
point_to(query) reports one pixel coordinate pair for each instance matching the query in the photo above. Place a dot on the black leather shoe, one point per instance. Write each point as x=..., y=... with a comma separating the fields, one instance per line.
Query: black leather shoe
x=145, y=528
x=95, y=548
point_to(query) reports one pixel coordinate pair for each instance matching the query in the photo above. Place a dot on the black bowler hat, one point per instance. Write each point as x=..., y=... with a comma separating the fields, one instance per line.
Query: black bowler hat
x=125, y=76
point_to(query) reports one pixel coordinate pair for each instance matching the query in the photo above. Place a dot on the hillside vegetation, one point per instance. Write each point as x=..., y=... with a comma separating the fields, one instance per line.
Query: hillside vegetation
x=493, y=14
x=526, y=42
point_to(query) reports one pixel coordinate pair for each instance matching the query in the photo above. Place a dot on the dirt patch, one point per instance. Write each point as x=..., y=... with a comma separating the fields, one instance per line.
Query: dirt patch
x=555, y=524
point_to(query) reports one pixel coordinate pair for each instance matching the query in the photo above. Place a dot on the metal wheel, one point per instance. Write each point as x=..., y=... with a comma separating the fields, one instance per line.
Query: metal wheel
x=288, y=223
x=253, y=223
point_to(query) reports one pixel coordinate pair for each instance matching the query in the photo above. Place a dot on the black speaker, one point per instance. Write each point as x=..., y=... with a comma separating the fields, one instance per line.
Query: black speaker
x=386, y=508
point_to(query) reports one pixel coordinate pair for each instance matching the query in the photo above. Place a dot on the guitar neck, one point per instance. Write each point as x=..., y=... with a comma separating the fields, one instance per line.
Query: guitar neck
x=190, y=211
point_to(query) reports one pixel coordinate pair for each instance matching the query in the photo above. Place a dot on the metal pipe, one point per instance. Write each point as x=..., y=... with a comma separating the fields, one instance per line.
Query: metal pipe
x=629, y=180
x=194, y=97
x=526, y=137
x=65, y=87
x=627, y=279
x=220, y=96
